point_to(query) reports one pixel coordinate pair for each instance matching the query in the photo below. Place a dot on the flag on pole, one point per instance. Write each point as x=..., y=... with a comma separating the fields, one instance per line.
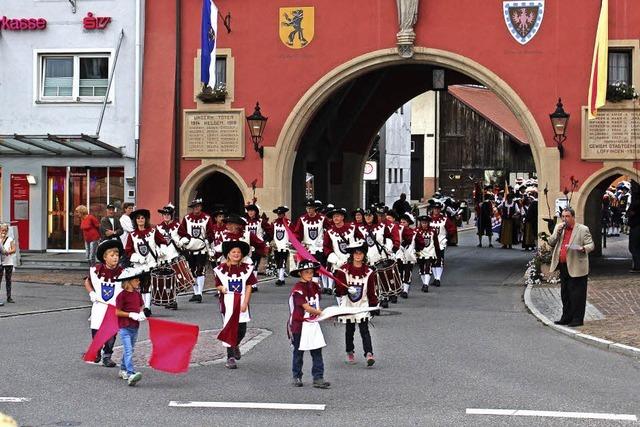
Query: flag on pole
x=598, y=82
x=208, y=36
x=108, y=328
x=172, y=344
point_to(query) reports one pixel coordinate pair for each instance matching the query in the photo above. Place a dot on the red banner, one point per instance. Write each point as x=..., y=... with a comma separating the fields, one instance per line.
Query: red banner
x=20, y=208
x=172, y=344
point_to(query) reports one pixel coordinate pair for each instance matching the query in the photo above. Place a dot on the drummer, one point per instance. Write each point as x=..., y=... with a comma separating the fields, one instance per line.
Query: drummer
x=280, y=241
x=259, y=227
x=429, y=253
x=438, y=222
x=358, y=216
x=309, y=230
x=379, y=242
x=411, y=242
x=219, y=214
x=196, y=234
x=361, y=292
x=391, y=222
x=144, y=251
x=168, y=228
x=336, y=241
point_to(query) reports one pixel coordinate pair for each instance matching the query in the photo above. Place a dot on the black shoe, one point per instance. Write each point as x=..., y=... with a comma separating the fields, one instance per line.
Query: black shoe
x=172, y=306
x=297, y=382
x=108, y=363
x=384, y=304
x=147, y=312
x=479, y=245
x=194, y=298
x=279, y=282
x=425, y=288
x=236, y=352
x=575, y=324
x=198, y=298
x=321, y=383
x=560, y=322
x=436, y=283
x=393, y=299
x=254, y=289
x=404, y=295
x=98, y=358
x=490, y=245
x=10, y=300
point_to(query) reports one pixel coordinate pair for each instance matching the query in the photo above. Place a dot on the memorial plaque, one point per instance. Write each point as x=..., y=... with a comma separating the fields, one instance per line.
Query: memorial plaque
x=613, y=135
x=213, y=134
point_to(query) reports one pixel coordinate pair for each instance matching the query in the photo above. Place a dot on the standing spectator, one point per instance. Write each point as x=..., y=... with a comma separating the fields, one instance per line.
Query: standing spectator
x=90, y=232
x=530, y=221
x=110, y=227
x=401, y=206
x=571, y=243
x=633, y=213
x=127, y=228
x=7, y=249
x=484, y=219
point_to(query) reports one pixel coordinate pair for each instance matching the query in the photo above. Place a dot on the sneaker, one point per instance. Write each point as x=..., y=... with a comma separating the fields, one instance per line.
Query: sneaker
x=10, y=300
x=297, y=382
x=351, y=359
x=231, y=363
x=425, y=288
x=134, y=378
x=147, y=312
x=436, y=283
x=404, y=295
x=321, y=383
x=123, y=375
x=236, y=352
x=98, y=358
x=254, y=288
x=370, y=360
x=108, y=363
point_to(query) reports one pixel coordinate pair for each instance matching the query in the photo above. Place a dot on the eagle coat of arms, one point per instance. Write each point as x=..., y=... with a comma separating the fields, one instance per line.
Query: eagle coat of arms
x=523, y=18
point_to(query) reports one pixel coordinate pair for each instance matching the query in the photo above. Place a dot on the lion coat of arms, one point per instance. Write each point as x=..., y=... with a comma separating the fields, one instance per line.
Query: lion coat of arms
x=523, y=18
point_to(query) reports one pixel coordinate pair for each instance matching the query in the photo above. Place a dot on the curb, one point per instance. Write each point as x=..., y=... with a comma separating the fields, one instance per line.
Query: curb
x=604, y=344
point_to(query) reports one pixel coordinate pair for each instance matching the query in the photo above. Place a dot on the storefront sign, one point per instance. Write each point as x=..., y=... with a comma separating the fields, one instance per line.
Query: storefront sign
x=20, y=208
x=91, y=22
x=22, y=24
x=613, y=135
x=213, y=134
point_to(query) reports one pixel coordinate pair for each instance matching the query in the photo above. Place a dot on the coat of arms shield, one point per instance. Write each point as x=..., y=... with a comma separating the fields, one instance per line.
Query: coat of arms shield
x=523, y=18
x=296, y=25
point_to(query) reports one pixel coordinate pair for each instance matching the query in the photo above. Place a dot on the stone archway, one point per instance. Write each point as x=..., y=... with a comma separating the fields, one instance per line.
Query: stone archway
x=277, y=190
x=200, y=174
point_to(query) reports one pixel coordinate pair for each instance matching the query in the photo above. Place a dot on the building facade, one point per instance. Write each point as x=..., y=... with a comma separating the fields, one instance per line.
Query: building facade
x=61, y=146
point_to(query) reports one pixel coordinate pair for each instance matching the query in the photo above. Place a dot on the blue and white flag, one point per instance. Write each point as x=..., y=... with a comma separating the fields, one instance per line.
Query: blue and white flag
x=208, y=35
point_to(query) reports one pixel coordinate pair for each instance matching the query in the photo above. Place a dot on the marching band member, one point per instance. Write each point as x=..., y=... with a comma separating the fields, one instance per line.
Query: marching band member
x=103, y=286
x=236, y=231
x=144, y=251
x=304, y=302
x=309, y=230
x=429, y=253
x=361, y=292
x=168, y=228
x=234, y=280
x=378, y=238
x=336, y=241
x=406, y=255
x=391, y=222
x=358, y=217
x=257, y=226
x=438, y=223
x=196, y=234
x=281, y=241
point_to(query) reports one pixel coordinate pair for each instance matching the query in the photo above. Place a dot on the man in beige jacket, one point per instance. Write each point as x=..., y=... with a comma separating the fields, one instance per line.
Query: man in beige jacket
x=571, y=243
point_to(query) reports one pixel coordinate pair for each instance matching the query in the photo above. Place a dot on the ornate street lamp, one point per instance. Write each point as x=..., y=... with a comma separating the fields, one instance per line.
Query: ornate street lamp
x=559, y=120
x=257, y=123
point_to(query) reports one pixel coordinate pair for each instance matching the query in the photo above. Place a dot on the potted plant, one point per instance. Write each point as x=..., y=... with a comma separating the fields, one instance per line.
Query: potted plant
x=620, y=91
x=211, y=95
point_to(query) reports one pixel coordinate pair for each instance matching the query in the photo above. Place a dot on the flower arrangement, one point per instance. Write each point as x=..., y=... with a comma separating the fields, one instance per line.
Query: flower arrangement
x=533, y=274
x=217, y=94
x=620, y=91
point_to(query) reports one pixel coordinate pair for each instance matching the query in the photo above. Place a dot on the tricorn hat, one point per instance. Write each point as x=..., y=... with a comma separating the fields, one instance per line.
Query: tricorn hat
x=305, y=264
x=167, y=209
x=425, y=218
x=252, y=207
x=310, y=203
x=106, y=245
x=219, y=210
x=358, y=245
x=331, y=212
x=141, y=212
x=281, y=210
x=195, y=202
x=235, y=219
x=408, y=217
x=231, y=244
x=131, y=273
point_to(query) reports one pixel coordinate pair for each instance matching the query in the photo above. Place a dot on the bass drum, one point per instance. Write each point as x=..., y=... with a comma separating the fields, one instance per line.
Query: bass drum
x=163, y=286
x=389, y=282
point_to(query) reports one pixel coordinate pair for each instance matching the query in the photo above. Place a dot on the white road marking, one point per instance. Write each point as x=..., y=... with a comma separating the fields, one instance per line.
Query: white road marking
x=14, y=399
x=555, y=414
x=248, y=405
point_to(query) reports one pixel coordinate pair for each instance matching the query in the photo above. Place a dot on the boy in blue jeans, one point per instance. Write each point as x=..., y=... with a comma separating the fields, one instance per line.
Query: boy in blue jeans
x=129, y=306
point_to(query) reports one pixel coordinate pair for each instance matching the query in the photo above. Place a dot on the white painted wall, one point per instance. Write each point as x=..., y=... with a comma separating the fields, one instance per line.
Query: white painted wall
x=423, y=122
x=396, y=138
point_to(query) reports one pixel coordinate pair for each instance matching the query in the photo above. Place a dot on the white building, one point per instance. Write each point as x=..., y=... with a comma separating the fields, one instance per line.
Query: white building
x=57, y=63
x=395, y=155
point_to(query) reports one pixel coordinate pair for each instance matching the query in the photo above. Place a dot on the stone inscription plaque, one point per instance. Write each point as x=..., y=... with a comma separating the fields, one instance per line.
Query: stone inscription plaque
x=613, y=135
x=213, y=134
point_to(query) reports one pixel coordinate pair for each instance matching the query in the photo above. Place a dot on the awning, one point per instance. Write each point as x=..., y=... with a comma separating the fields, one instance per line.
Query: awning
x=56, y=145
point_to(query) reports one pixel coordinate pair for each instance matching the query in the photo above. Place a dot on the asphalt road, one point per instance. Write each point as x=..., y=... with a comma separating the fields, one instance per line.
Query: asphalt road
x=469, y=344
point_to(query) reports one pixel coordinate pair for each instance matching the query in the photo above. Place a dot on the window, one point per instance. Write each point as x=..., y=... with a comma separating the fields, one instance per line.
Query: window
x=619, y=67
x=74, y=77
x=401, y=180
x=221, y=70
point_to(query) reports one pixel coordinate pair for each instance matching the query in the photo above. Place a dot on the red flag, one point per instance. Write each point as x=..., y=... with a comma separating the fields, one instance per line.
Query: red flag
x=172, y=344
x=229, y=333
x=108, y=328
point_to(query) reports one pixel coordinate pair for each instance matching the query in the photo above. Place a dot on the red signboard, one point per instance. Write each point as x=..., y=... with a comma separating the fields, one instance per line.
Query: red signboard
x=22, y=24
x=91, y=22
x=20, y=208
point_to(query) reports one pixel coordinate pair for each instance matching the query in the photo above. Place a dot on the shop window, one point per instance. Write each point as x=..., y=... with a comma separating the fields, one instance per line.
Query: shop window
x=619, y=67
x=74, y=77
x=116, y=187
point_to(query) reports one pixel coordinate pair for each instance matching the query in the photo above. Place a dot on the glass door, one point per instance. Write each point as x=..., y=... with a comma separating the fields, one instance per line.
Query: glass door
x=56, y=208
x=77, y=197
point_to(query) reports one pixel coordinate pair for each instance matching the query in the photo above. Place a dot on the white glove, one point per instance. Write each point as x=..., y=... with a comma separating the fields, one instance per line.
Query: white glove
x=352, y=290
x=135, y=316
x=183, y=241
x=137, y=258
x=141, y=317
x=161, y=252
x=93, y=296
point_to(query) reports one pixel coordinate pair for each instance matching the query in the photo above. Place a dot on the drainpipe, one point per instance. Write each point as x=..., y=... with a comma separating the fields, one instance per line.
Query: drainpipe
x=137, y=88
x=177, y=108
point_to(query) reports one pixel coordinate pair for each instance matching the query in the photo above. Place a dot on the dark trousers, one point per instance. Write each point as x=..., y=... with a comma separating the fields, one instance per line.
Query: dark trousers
x=573, y=292
x=280, y=258
x=242, y=331
x=424, y=265
x=634, y=246
x=405, y=270
x=364, y=333
x=107, y=350
x=7, y=271
x=317, y=370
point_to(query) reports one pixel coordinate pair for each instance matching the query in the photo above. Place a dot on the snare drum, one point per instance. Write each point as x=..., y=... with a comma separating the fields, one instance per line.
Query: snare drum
x=163, y=289
x=183, y=276
x=389, y=282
